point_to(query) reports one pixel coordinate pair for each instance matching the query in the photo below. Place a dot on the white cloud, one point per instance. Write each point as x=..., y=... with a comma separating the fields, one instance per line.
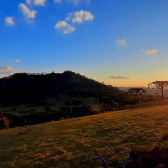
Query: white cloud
x=77, y=1
x=152, y=51
x=26, y=11
x=36, y=2
x=57, y=1
x=69, y=16
x=8, y=70
x=11, y=60
x=9, y=21
x=77, y=19
x=40, y=2
x=17, y=60
x=62, y=25
x=119, y=77
x=28, y=2
x=143, y=50
x=80, y=16
x=121, y=42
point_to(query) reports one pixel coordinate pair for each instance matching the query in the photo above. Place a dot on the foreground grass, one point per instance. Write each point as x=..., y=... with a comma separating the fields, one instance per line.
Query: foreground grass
x=72, y=143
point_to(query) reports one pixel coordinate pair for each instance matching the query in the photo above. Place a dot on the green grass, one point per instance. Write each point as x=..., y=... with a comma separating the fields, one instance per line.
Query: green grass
x=71, y=143
x=58, y=104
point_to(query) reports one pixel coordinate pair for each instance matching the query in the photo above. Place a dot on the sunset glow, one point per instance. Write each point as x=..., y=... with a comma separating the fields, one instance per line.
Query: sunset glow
x=113, y=42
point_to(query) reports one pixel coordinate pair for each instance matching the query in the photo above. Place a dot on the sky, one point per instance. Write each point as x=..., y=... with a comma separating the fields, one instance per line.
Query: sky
x=118, y=42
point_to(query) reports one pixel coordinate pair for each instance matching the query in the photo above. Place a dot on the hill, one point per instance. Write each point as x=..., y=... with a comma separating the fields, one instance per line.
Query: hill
x=29, y=88
x=40, y=89
x=71, y=143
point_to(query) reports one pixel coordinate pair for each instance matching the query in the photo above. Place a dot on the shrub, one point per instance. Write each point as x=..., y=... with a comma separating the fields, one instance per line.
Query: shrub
x=4, y=122
x=12, y=120
x=48, y=109
x=77, y=111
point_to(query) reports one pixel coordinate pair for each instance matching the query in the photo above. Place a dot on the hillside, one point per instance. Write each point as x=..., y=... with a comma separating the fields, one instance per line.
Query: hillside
x=24, y=88
x=71, y=143
x=25, y=93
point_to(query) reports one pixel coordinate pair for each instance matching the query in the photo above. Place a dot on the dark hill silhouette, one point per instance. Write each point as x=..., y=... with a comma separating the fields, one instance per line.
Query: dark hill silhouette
x=22, y=88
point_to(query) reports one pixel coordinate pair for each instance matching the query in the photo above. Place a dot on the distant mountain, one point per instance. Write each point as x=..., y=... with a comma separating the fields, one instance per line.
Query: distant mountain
x=25, y=88
x=127, y=88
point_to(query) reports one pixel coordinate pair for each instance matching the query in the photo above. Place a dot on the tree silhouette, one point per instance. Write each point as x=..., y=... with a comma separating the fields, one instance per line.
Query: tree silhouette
x=71, y=95
x=137, y=91
x=158, y=85
x=108, y=104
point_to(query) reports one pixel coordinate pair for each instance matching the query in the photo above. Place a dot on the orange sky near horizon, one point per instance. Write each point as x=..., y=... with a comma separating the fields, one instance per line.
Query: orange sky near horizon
x=125, y=83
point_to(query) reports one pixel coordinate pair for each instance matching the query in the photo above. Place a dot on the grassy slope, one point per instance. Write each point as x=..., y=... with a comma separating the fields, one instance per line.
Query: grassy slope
x=58, y=104
x=71, y=143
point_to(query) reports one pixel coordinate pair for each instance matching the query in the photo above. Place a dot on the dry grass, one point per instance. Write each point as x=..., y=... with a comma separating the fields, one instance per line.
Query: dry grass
x=71, y=143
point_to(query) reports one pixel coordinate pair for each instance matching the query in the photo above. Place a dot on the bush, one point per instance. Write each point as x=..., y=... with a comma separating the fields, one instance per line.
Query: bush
x=77, y=111
x=12, y=120
x=150, y=98
x=4, y=122
x=29, y=119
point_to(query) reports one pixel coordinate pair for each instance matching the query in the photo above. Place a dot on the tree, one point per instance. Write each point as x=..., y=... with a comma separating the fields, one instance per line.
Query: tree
x=71, y=95
x=158, y=85
x=137, y=92
x=108, y=104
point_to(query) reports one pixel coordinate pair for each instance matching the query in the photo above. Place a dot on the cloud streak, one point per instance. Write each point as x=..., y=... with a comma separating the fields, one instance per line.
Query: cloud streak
x=8, y=70
x=77, y=1
x=121, y=42
x=11, y=60
x=17, y=60
x=36, y=2
x=74, y=1
x=119, y=77
x=151, y=51
x=57, y=1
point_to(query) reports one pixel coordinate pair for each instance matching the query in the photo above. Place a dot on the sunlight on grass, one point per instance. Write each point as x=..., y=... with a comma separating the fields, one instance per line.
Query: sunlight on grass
x=72, y=143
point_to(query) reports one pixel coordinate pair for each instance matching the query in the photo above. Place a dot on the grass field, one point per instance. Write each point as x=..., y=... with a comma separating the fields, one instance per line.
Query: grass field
x=58, y=104
x=71, y=143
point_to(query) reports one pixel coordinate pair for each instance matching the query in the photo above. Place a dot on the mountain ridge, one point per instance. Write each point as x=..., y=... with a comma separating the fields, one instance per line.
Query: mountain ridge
x=22, y=88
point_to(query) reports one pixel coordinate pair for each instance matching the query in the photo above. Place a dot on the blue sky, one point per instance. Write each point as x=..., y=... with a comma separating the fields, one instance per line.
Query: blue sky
x=119, y=42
